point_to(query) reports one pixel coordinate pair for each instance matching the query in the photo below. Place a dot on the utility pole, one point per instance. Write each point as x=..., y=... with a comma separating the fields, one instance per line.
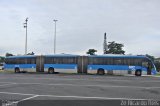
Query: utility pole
x=105, y=46
x=55, y=37
x=25, y=26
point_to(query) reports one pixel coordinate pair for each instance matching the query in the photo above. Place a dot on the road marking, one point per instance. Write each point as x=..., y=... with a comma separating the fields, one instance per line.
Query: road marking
x=15, y=93
x=62, y=84
x=27, y=98
x=85, y=97
x=89, y=79
x=61, y=96
x=92, y=79
x=105, y=86
x=7, y=84
x=16, y=102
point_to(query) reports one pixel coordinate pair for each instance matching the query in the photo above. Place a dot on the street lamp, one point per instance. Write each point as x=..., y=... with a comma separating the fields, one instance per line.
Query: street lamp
x=55, y=37
x=25, y=26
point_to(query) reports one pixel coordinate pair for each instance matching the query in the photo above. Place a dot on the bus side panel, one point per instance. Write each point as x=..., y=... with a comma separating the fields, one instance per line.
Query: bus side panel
x=22, y=67
x=66, y=68
x=117, y=69
x=61, y=66
x=108, y=67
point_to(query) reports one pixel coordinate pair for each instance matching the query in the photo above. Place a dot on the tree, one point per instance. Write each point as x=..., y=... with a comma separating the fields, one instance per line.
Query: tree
x=9, y=54
x=115, y=48
x=32, y=53
x=91, y=51
x=2, y=59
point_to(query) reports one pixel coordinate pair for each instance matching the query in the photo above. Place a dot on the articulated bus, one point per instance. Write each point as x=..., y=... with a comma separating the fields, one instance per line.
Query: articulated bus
x=94, y=64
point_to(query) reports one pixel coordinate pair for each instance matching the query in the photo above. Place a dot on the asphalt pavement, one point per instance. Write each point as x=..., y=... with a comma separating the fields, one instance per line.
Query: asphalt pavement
x=19, y=88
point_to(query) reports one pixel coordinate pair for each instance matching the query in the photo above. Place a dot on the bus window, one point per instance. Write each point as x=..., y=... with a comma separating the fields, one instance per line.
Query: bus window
x=145, y=64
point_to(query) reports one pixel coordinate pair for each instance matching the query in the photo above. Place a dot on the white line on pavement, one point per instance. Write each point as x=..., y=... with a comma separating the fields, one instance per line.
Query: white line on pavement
x=15, y=93
x=85, y=97
x=89, y=79
x=7, y=84
x=105, y=86
x=62, y=84
x=28, y=98
x=61, y=96
x=16, y=102
x=25, y=99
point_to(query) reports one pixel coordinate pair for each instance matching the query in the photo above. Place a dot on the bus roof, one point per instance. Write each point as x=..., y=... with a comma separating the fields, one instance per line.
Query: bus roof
x=61, y=55
x=71, y=55
x=119, y=56
x=56, y=55
x=23, y=56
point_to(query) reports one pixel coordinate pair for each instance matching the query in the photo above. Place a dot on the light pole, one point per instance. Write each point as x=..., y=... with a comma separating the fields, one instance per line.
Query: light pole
x=55, y=37
x=25, y=26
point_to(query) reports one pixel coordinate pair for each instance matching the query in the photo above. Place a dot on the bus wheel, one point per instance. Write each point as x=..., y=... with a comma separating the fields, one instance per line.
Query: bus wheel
x=50, y=70
x=100, y=71
x=17, y=70
x=138, y=72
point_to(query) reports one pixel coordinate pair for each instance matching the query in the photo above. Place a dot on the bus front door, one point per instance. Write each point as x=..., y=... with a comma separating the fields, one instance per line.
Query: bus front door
x=149, y=68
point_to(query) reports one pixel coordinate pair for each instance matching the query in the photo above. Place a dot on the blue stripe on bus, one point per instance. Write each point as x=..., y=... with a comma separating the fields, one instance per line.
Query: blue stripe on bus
x=61, y=66
x=19, y=66
x=115, y=67
x=154, y=72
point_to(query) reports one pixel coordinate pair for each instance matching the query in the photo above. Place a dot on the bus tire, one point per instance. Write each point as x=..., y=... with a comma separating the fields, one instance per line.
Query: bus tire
x=17, y=70
x=100, y=71
x=138, y=72
x=51, y=70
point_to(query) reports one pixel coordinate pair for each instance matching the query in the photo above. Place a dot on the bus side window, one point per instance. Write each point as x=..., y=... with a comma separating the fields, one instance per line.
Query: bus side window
x=145, y=64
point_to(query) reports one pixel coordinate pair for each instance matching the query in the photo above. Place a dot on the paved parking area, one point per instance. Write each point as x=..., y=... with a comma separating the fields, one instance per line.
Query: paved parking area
x=26, y=86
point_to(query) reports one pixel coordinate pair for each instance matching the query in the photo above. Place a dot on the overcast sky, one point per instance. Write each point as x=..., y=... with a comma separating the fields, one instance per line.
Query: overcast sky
x=81, y=25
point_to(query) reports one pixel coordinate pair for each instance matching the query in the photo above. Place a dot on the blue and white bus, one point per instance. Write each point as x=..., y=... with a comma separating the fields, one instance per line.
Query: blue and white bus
x=94, y=64
x=60, y=63
x=120, y=64
x=20, y=64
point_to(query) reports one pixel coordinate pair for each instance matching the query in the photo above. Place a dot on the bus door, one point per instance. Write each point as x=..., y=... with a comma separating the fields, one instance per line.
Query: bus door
x=147, y=65
x=39, y=64
x=82, y=64
x=149, y=68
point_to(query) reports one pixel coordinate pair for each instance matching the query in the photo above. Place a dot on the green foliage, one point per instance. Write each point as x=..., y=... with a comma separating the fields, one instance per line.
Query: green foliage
x=9, y=54
x=91, y=51
x=2, y=59
x=115, y=48
x=32, y=53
